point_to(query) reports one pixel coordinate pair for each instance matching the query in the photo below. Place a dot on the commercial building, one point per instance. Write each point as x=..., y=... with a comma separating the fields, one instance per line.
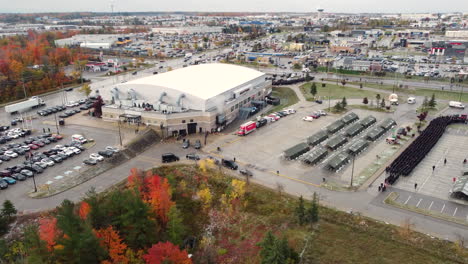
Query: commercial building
x=187, y=30
x=197, y=98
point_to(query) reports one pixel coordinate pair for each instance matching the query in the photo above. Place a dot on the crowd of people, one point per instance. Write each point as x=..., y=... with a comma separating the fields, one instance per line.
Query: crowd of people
x=415, y=153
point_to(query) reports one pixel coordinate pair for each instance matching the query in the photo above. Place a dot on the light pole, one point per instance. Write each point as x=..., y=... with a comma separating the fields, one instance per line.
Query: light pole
x=34, y=181
x=120, y=133
x=352, y=172
x=56, y=123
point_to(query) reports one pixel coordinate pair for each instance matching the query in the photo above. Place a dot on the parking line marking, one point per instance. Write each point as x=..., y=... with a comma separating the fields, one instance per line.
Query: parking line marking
x=443, y=207
x=432, y=202
x=407, y=200
x=419, y=202
x=456, y=208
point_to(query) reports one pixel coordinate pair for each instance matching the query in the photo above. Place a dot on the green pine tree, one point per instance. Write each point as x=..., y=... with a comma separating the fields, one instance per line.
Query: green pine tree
x=268, y=247
x=338, y=107
x=98, y=215
x=425, y=103
x=8, y=210
x=300, y=211
x=80, y=245
x=38, y=252
x=175, y=227
x=432, y=103
x=313, y=212
x=344, y=103
x=313, y=89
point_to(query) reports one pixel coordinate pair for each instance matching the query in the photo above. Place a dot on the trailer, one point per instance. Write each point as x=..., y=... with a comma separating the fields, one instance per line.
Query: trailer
x=247, y=128
x=31, y=103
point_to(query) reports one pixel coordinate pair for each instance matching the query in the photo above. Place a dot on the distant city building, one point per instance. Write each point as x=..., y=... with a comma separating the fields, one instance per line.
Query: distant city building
x=186, y=30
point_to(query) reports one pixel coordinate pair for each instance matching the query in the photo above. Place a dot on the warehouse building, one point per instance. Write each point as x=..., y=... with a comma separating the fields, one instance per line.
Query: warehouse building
x=198, y=98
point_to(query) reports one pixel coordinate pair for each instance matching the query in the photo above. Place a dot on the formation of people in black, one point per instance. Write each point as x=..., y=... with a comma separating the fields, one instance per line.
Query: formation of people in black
x=415, y=153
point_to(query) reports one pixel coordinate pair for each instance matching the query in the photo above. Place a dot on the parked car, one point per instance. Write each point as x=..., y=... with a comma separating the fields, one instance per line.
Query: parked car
x=27, y=173
x=319, y=101
x=18, y=176
x=56, y=158
x=3, y=184
x=114, y=149
x=197, y=144
x=106, y=153
x=192, y=156
x=246, y=172
x=96, y=157
x=9, y=180
x=169, y=157
x=186, y=144
x=90, y=161
x=49, y=162
x=229, y=164
x=322, y=113
x=308, y=118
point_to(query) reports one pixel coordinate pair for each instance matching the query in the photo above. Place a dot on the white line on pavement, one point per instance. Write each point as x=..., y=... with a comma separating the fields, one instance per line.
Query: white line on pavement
x=408, y=199
x=443, y=207
x=456, y=208
x=419, y=202
x=432, y=202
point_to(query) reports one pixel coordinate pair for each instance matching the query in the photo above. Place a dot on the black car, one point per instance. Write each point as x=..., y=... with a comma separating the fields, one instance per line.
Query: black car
x=64, y=115
x=4, y=158
x=56, y=158
x=52, y=139
x=90, y=161
x=246, y=172
x=229, y=164
x=63, y=156
x=106, y=153
x=18, y=176
x=262, y=122
x=27, y=173
x=3, y=128
x=3, y=184
x=168, y=157
x=18, y=168
x=37, y=169
x=192, y=156
x=19, y=151
x=318, y=101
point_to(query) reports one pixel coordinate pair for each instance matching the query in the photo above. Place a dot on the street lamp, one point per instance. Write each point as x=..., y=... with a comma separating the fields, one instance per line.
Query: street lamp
x=56, y=123
x=120, y=133
x=352, y=171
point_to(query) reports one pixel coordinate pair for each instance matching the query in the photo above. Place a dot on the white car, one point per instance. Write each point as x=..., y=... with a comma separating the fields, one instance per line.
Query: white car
x=25, y=148
x=75, y=150
x=71, y=104
x=114, y=149
x=49, y=162
x=96, y=156
x=322, y=113
x=308, y=118
x=290, y=111
x=11, y=154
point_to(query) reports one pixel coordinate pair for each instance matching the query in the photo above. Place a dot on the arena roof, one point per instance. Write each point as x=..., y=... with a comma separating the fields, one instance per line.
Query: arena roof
x=203, y=81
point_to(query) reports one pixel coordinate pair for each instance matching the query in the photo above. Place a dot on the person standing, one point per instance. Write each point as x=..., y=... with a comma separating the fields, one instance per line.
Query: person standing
x=445, y=161
x=415, y=186
x=433, y=167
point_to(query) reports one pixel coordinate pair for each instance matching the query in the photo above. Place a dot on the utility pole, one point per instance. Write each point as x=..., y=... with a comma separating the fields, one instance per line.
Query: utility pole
x=120, y=133
x=56, y=124
x=352, y=171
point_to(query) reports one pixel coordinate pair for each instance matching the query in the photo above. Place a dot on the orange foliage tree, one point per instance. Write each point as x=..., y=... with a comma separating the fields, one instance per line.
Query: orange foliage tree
x=48, y=231
x=166, y=253
x=111, y=241
x=157, y=193
x=84, y=210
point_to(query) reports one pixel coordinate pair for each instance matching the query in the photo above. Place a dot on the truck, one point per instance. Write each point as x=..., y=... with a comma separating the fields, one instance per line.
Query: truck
x=393, y=98
x=32, y=102
x=455, y=104
x=247, y=128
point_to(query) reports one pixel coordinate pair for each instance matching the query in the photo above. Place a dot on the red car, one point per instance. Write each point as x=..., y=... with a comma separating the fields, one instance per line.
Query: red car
x=32, y=146
x=57, y=136
x=315, y=115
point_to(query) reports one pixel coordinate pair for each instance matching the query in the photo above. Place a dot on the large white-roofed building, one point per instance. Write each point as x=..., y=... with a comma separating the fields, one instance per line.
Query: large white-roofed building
x=188, y=100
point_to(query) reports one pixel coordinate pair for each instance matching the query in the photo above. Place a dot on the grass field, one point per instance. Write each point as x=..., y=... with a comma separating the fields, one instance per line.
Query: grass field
x=337, y=92
x=287, y=95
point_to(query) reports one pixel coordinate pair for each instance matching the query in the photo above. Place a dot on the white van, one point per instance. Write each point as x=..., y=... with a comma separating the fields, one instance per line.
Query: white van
x=455, y=104
x=79, y=138
x=411, y=100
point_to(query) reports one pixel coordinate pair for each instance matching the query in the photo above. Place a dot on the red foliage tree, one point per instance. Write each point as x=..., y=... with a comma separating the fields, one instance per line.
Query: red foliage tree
x=111, y=241
x=48, y=231
x=84, y=210
x=157, y=193
x=166, y=253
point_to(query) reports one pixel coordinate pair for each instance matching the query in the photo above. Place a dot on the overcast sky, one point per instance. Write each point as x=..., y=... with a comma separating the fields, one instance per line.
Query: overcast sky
x=405, y=6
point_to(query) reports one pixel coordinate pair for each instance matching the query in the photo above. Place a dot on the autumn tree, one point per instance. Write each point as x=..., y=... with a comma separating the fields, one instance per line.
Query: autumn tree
x=157, y=193
x=113, y=244
x=205, y=197
x=86, y=89
x=98, y=215
x=48, y=231
x=166, y=253
x=37, y=247
x=84, y=210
